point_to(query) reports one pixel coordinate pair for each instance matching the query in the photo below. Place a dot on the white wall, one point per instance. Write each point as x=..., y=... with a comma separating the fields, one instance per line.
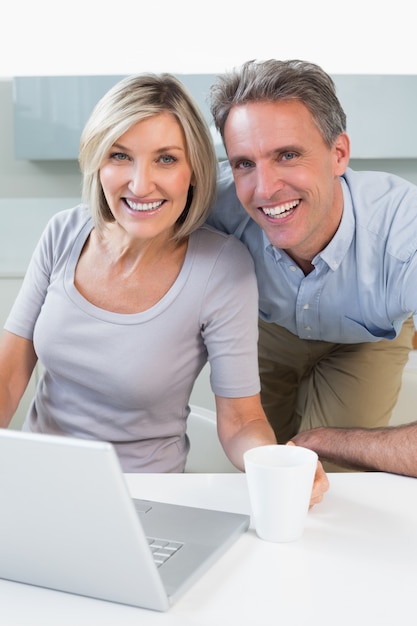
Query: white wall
x=99, y=37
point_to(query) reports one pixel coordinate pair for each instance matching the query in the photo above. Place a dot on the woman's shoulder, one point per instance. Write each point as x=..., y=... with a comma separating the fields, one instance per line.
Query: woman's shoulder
x=218, y=238
x=71, y=217
x=66, y=224
x=220, y=244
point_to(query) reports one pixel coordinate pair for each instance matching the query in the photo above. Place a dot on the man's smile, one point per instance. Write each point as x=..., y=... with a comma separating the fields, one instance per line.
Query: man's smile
x=280, y=210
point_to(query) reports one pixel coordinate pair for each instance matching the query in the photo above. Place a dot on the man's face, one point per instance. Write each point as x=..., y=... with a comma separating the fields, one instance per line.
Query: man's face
x=286, y=177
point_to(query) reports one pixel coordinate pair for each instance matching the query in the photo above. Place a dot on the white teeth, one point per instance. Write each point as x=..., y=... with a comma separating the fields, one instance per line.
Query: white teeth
x=143, y=206
x=282, y=208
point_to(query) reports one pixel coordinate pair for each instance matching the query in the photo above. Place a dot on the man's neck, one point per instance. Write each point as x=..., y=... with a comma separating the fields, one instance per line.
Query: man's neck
x=305, y=264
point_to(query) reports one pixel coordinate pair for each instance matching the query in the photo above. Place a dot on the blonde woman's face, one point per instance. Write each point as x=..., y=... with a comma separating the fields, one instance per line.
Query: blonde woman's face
x=146, y=176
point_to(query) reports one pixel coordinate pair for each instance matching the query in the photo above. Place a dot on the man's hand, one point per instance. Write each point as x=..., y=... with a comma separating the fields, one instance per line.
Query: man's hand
x=320, y=485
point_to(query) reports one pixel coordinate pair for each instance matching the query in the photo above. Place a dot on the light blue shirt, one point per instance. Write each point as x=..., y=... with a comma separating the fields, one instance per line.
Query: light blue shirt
x=364, y=283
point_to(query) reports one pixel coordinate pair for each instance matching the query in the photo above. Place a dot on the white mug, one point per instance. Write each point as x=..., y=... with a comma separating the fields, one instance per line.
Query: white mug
x=280, y=479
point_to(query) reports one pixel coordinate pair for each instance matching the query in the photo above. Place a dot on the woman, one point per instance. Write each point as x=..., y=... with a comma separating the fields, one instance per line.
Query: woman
x=128, y=295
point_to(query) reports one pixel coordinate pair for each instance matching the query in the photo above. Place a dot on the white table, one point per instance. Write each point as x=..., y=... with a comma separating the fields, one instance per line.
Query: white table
x=356, y=563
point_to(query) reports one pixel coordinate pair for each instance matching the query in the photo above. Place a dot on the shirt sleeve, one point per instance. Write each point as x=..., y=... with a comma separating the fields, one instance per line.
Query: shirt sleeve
x=48, y=256
x=230, y=323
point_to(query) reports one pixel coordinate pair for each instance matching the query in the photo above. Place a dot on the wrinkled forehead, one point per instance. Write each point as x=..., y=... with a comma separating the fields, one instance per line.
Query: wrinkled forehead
x=263, y=126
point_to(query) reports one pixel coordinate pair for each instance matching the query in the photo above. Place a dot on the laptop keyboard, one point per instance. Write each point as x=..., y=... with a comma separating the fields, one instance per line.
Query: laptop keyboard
x=162, y=549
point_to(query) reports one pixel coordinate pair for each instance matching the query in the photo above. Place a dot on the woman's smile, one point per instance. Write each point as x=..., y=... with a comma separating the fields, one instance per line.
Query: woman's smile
x=146, y=177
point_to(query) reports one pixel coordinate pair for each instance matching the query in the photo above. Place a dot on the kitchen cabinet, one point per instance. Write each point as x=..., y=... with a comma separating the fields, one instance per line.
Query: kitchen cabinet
x=50, y=112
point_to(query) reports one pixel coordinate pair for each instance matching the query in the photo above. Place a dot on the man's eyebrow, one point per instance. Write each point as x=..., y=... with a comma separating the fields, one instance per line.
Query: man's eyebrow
x=234, y=160
x=272, y=153
x=238, y=158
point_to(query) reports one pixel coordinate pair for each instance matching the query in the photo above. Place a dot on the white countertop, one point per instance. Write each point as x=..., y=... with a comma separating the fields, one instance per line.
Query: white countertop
x=356, y=563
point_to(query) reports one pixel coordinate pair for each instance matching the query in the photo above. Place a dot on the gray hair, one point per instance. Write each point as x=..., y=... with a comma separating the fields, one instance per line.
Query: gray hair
x=130, y=101
x=273, y=80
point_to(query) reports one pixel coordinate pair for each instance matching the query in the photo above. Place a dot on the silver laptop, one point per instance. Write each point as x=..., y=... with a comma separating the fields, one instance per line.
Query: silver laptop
x=67, y=522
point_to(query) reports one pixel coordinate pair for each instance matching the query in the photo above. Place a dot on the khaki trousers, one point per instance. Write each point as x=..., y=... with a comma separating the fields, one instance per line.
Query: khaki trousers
x=305, y=384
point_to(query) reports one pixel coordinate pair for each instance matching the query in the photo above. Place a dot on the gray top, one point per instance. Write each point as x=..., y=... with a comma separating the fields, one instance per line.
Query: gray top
x=127, y=378
x=364, y=283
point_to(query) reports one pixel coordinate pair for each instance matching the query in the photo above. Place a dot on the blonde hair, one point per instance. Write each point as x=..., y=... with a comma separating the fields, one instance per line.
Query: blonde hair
x=131, y=100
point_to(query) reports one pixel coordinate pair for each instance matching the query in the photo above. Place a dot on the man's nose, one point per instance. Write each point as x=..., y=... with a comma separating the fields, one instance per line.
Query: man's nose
x=268, y=181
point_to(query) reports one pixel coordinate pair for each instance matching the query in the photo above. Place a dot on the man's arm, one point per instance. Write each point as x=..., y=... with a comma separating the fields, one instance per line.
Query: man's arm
x=390, y=449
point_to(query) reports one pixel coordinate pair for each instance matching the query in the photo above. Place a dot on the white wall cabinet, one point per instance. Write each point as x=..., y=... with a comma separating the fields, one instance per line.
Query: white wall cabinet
x=50, y=112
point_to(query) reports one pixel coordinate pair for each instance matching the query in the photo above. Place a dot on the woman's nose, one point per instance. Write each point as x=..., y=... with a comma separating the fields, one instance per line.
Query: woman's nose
x=141, y=180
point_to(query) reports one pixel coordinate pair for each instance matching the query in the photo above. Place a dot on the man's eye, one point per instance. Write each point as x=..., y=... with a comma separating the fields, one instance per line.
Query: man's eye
x=288, y=156
x=243, y=165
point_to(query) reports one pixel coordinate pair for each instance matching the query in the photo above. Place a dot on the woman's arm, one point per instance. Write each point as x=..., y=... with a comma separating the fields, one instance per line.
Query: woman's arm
x=17, y=361
x=242, y=424
x=391, y=449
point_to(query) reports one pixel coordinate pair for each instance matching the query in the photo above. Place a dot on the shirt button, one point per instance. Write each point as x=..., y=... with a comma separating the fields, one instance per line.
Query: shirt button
x=306, y=306
x=307, y=328
x=293, y=268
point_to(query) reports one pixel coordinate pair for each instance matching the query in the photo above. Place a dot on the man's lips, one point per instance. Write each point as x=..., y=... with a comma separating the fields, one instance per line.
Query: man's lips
x=280, y=210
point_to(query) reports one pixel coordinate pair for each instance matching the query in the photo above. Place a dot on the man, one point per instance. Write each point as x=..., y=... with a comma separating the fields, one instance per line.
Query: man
x=386, y=449
x=334, y=250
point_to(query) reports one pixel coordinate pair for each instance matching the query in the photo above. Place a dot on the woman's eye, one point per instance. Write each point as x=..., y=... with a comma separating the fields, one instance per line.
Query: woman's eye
x=167, y=158
x=119, y=156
